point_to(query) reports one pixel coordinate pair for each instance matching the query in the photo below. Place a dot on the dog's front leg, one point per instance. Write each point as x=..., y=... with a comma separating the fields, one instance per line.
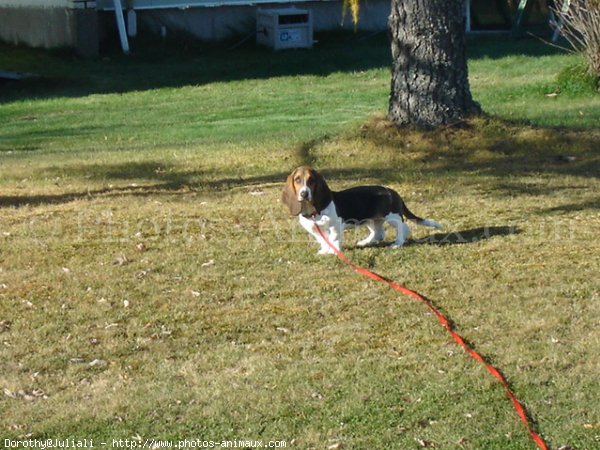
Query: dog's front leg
x=336, y=233
x=309, y=225
x=331, y=228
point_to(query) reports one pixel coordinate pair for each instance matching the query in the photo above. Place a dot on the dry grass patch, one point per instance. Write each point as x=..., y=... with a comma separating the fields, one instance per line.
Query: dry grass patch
x=186, y=302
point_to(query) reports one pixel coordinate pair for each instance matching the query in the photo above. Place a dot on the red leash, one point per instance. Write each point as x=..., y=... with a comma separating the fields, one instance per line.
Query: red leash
x=457, y=337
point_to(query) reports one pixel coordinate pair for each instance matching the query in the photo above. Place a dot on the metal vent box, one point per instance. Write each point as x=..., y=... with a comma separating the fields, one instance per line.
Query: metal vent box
x=284, y=28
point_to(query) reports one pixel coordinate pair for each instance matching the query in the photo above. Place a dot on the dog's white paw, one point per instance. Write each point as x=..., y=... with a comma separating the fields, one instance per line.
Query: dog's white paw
x=366, y=242
x=326, y=251
x=323, y=221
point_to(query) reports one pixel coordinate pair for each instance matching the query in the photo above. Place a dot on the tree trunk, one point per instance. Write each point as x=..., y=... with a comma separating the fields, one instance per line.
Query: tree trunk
x=430, y=84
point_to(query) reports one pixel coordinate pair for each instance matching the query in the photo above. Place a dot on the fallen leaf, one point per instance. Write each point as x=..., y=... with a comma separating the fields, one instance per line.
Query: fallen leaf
x=9, y=393
x=28, y=396
x=463, y=441
x=121, y=260
x=141, y=274
x=425, y=444
x=39, y=393
x=25, y=396
x=4, y=325
x=566, y=158
x=97, y=363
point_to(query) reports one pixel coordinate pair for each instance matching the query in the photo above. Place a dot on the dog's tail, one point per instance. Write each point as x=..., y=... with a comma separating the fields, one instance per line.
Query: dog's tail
x=407, y=213
x=418, y=220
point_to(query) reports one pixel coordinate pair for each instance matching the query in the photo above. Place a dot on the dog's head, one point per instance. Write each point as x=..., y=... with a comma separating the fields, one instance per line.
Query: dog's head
x=305, y=191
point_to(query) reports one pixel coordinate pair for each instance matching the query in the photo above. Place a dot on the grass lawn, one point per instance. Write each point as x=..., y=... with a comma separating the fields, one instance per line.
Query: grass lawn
x=152, y=286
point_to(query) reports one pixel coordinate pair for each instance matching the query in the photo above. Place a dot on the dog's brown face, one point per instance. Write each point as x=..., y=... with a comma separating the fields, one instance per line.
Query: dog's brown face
x=304, y=190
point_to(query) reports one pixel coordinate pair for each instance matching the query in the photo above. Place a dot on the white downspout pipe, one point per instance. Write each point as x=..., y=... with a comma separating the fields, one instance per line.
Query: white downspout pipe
x=121, y=26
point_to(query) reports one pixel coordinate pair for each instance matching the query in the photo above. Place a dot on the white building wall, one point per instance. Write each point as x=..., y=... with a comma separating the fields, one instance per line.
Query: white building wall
x=35, y=3
x=221, y=22
x=75, y=23
x=50, y=24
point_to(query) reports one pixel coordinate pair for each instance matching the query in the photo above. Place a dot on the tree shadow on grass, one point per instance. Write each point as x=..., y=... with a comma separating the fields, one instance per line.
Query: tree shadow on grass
x=493, y=147
x=19, y=201
x=499, y=152
x=156, y=64
x=573, y=207
x=136, y=179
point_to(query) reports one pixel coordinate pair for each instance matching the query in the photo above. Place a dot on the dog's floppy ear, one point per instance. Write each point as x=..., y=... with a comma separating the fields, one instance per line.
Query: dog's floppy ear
x=289, y=197
x=322, y=195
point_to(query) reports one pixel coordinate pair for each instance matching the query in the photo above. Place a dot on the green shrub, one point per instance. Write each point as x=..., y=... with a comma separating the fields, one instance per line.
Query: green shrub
x=577, y=79
x=580, y=26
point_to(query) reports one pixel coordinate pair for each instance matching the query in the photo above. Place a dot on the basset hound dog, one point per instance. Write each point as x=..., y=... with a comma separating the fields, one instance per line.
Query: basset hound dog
x=308, y=196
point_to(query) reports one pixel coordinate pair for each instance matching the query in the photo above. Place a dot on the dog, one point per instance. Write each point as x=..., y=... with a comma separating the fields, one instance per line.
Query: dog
x=308, y=196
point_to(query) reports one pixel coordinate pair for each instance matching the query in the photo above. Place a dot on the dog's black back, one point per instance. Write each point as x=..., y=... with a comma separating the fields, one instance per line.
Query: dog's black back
x=366, y=202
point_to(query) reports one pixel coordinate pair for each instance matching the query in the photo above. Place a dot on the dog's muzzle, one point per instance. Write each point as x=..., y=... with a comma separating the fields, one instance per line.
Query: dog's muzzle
x=304, y=194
